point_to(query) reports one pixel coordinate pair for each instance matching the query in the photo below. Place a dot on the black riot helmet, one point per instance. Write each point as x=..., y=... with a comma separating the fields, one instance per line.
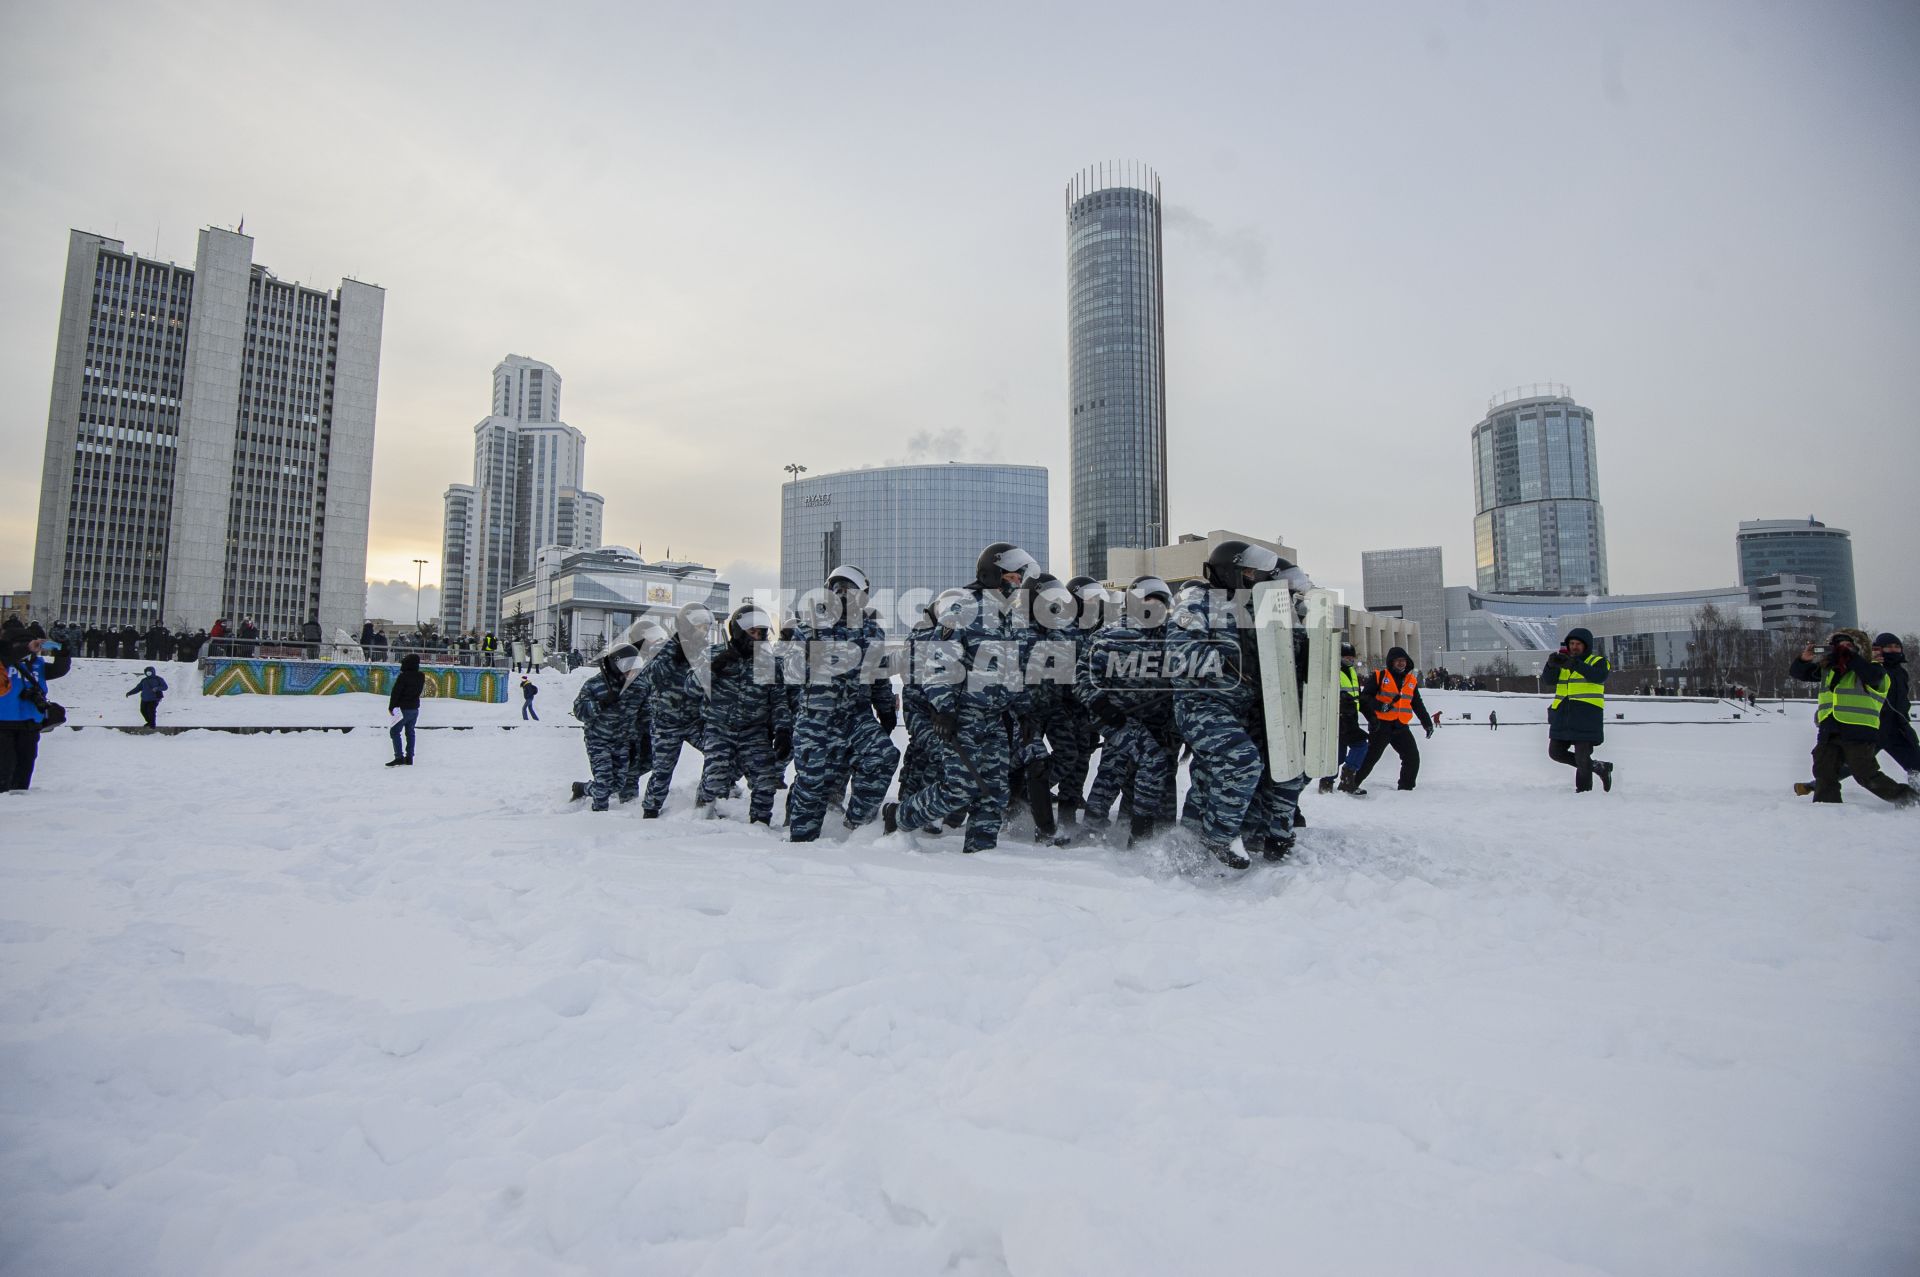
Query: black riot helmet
x=748, y=625
x=618, y=663
x=1148, y=600
x=1093, y=601
x=1051, y=605
x=999, y=561
x=1237, y=565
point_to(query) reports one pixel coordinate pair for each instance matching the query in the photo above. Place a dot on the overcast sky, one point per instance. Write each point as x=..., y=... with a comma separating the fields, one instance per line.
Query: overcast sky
x=750, y=235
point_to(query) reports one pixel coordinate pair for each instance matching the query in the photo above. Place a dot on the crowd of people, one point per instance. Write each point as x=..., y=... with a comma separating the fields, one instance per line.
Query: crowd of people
x=995, y=729
x=1011, y=687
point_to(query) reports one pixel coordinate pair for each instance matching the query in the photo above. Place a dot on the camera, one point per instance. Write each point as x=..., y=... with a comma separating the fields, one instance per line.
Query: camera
x=1821, y=649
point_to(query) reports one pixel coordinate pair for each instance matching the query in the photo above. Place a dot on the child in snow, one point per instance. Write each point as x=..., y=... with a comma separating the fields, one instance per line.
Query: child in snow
x=151, y=688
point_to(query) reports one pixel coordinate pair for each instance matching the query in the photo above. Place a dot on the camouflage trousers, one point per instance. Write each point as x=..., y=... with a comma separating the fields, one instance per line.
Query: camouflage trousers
x=734, y=750
x=1133, y=759
x=916, y=771
x=980, y=790
x=616, y=762
x=666, y=740
x=831, y=747
x=1229, y=791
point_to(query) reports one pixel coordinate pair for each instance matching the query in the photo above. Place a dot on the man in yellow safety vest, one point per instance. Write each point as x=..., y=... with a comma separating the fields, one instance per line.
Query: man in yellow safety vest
x=1853, y=690
x=1577, y=718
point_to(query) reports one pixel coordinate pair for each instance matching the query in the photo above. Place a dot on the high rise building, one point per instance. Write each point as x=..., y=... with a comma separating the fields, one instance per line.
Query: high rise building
x=580, y=515
x=1801, y=547
x=909, y=527
x=456, y=546
x=1117, y=363
x=528, y=493
x=209, y=443
x=1538, y=528
x=1409, y=583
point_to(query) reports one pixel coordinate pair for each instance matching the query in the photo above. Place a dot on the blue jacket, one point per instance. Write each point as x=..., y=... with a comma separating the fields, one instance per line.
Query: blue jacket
x=151, y=688
x=29, y=671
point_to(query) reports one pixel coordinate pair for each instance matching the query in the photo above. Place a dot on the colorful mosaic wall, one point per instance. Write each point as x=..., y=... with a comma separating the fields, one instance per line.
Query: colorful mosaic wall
x=228, y=677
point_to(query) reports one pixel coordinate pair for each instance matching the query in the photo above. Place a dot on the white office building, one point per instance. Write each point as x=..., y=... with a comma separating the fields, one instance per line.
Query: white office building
x=528, y=493
x=209, y=446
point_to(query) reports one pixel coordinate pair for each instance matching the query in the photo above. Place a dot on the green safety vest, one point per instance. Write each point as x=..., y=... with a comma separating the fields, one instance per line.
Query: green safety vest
x=1849, y=699
x=1574, y=685
x=1350, y=681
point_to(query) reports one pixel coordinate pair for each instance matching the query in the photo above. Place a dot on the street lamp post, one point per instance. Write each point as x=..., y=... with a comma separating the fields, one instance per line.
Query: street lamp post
x=419, y=570
x=794, y=469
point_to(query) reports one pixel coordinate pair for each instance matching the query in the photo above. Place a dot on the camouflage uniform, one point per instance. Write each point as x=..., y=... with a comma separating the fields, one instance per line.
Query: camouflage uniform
x=1217, y=708
x=835, y=736
x=616, y=737
x=676, y=711
x=742, y=716
x=915, y=774
x=1140, y=752
x=972, y=777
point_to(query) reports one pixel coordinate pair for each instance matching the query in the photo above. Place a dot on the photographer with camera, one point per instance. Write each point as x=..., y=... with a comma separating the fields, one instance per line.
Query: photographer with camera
x=1853, y=691
x=25, y=710
x=1577, y=718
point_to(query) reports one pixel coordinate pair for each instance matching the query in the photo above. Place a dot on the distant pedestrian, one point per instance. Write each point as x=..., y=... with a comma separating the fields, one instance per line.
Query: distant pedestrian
x=404, y=704
x=151, y=689
x=527, y=692
x=1493, y=720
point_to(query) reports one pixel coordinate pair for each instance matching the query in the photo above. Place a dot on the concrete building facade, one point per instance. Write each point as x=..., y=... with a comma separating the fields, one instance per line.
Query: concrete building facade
x=528, y=493
x=587, y=598
x=456, y=548
x=1410, y=583
x=209, y=446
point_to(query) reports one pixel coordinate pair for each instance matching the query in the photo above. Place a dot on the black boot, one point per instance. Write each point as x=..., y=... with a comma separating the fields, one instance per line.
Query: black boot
x=1606, y=776
x=1278, y=846
x=1326, y=784
x=1040, y=799
x=650, y=813
x=1139, y=829
x=890, y=817
x=1230, y=858
x=1299, y=819
x=579, y=790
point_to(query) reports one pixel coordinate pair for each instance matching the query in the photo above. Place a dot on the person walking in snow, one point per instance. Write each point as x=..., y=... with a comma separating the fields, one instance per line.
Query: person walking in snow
x=1577, y=718
x=403, y=703
x=1390, y=699
x=527, y=692
x=1493, y=720
x=151, y=689
x=612, y=708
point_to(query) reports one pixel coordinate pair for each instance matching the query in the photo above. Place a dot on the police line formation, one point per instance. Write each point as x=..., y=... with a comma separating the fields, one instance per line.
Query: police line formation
x=1012, y=685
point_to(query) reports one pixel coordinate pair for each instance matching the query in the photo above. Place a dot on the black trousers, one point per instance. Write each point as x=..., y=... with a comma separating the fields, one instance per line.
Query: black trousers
x=147, y=710
x=1400, y=737
x=1901, y=749
x=1861, y=757
x=19, y=747
x=1577, y=755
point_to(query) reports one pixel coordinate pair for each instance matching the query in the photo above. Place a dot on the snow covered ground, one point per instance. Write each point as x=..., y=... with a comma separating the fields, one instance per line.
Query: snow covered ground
x=269, y=1007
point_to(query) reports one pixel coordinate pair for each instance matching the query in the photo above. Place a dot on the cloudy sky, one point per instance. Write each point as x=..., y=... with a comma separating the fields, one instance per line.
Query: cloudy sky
x=832, y=234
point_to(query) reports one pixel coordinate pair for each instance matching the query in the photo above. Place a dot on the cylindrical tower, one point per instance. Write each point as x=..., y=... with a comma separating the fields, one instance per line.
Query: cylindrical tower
x=1538, y=528
x=1117, y=363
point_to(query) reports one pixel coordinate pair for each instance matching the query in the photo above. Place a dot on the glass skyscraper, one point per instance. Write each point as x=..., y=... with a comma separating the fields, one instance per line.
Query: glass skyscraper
x=1117, y=363
x=908, y=527
x=1803, y=547
x=1538, y=528
x=1410, y=581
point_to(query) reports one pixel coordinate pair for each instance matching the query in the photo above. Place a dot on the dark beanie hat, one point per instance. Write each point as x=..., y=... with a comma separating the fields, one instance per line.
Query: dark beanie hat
x=1886, y=640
